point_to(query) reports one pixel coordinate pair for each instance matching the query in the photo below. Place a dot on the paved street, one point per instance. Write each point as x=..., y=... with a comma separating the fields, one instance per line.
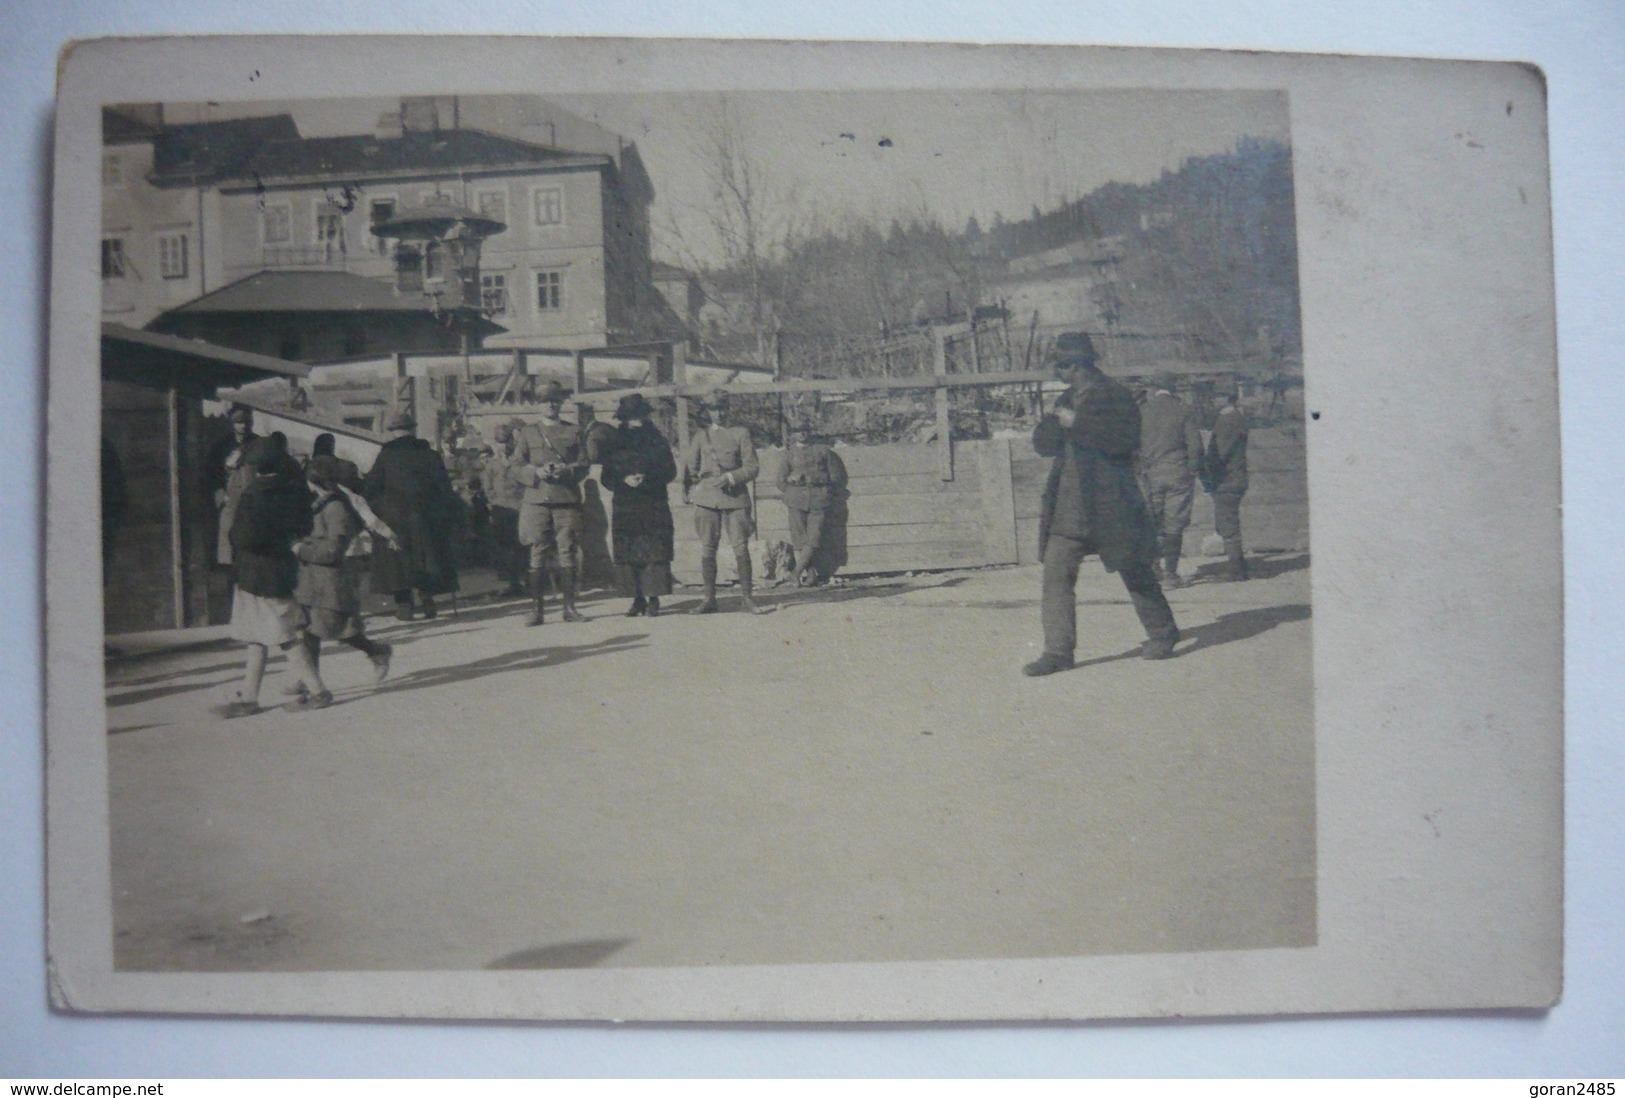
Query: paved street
x=862, y=775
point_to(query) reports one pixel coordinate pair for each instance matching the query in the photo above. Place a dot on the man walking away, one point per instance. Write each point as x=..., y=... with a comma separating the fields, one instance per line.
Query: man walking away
x=1170, y=458
x=550, y=463
x=1092, y=504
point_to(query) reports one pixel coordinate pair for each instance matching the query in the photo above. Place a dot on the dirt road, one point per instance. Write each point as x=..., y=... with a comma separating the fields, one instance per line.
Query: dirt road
x=862, y=775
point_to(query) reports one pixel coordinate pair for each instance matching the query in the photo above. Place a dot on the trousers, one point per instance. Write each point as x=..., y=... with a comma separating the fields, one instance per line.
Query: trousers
x=1059, y=606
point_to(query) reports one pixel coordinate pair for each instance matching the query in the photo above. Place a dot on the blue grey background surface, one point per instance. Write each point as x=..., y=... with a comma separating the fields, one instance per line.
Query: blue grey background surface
x=1580, y=44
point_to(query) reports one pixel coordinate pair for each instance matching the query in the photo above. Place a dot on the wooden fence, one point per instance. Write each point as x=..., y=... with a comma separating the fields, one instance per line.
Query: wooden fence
x=904, y=516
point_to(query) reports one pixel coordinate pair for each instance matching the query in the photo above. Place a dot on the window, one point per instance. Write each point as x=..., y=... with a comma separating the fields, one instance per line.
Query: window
x=330, y=230
x=549, y=206
x=494, y=294
x=549, y=290
x=112, y=171
x=379, y=210
x=172, y=255
x=493, y=204
x=276, y=223
x=113, y=265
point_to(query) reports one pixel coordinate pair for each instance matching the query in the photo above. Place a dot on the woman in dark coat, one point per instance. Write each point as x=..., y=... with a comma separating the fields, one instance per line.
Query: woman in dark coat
x=638, y=466
x=409, y=488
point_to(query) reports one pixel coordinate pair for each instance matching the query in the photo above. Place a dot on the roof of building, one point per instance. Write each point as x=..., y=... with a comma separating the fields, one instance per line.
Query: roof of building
x=295, y=291
x=204, y=151
x=412, y=152
x=150, y=358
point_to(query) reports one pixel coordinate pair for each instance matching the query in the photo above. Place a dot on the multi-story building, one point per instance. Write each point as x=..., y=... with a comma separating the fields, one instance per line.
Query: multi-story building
x=571, y=268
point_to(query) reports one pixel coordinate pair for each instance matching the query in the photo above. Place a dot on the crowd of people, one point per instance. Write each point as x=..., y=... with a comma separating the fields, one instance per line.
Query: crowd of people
x=300, y=538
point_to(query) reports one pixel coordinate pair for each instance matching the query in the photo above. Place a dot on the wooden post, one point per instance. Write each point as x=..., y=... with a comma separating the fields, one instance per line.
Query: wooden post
x=581, y=372
x=679, y=377
x=939, y=367
x=177, y=544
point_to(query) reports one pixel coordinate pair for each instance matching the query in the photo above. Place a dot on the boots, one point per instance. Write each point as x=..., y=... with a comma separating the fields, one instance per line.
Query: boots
x=708, y=577
x=745, y=586
x=567, y=593
x=1170, y=571
x=538, y=589
x=653, y=609
x=429, y=610
x=1237, y=570
x=639, y=605
x=403, y=606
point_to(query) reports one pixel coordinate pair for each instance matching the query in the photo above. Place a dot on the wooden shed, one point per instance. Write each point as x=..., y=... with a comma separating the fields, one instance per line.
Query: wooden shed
x=160, y=565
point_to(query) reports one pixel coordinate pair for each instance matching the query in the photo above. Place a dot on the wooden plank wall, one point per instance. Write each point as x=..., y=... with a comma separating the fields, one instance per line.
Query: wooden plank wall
x=903, y=515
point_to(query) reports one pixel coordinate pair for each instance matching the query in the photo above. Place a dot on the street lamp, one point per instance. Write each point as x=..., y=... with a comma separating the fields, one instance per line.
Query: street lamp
x=437, y=253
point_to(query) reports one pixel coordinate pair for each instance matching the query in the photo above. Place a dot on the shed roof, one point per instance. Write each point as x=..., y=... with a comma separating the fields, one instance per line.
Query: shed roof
x=296, y=291
x=193, y=365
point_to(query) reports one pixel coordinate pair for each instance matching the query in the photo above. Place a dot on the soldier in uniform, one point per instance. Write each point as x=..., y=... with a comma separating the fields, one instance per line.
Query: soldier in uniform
x=812, y=481
x=504, y=493
x=1092, y=504
x=718, y=466
x=1225, y=478
x=550, y=462
x=1170, y=458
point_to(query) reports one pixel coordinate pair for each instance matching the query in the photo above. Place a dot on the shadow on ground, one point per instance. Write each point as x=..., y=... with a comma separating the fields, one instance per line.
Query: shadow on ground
x=1259, y=566
x=527, y=660
x=1237, y=626
x=563, y=955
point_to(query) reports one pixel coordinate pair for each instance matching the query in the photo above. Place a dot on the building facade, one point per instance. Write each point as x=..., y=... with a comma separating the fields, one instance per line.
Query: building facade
x=189, y=209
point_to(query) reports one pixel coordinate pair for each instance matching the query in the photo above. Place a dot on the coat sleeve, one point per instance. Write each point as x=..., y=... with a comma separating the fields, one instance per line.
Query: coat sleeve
x=749, y=466
x=1048, y=437
x=330, y=537
x=665, y=466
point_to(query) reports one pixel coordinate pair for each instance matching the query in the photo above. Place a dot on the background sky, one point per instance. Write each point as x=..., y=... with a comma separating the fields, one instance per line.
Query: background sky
x=822, y=161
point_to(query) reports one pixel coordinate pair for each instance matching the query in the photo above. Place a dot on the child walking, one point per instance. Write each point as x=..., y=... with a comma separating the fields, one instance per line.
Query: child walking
x=328, y=592
x=273, y=511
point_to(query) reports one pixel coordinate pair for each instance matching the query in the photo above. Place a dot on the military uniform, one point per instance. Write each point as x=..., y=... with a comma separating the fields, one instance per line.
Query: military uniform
x=812, y=482
x=550, y=462
x=504, y=493
x=718, y=466
x=1170, y=457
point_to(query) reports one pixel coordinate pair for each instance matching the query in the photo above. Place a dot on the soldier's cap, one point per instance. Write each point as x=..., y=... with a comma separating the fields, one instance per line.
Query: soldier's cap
x=1165, y=381
x=716, y=398
x=401, y=421
x=241, y=412
x=554, y=393
x=1073, y=345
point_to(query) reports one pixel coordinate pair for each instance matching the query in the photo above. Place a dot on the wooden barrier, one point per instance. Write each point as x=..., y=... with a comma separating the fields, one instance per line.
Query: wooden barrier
x=904, y=517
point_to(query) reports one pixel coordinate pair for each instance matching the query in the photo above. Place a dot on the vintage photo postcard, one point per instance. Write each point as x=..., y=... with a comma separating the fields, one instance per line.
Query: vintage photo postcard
x=767, y=531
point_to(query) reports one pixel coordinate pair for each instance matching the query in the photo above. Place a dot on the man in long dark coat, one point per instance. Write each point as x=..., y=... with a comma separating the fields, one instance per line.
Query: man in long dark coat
x=1092, y=504
x=410, y=489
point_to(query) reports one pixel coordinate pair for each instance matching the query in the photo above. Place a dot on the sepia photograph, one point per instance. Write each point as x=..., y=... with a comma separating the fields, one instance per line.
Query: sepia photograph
x=807, y=530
